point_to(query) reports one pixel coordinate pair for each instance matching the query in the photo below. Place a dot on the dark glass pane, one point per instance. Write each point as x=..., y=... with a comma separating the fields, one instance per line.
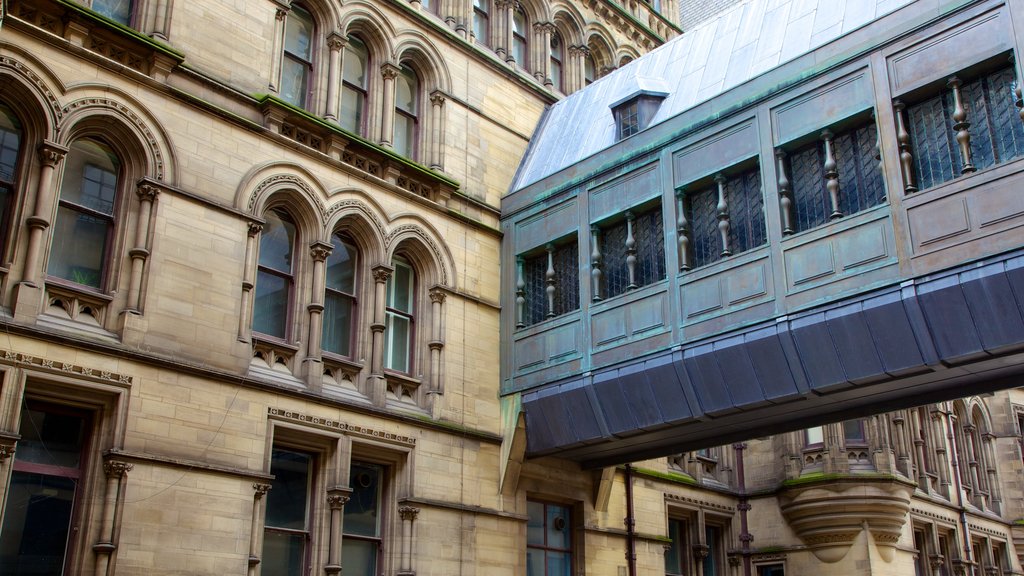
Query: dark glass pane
x=294, y=81
x=860, y=176
x=771, y=570
x=674, y=554
x=567, y=284
x=396, y=351
x=853, y=430
x=341, y=267
x=337, y=323
x=283, y=553
x=711, y=535
x=705, y=241
x=535, y=523
x=10, y=143
x=746, y=211
x=400, y=287
x=534, y=271
x=649, y=232
x=37, y=516
x=277, y=242
x=270, y=313
x=289, y=493
x=298, y=33
x=90, y=177
x=559, y=563
x=613, y=266
x=359, y=556
x=628, y=119
x=117, y=10
x=558, y=528
x=362, y=511
x=931, y=133
x=352, y=103
x=79, y=247
x=49, y=438
x=811, y=205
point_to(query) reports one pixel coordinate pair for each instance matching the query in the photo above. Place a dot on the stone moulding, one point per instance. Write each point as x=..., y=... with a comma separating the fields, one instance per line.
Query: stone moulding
x=828, y=514
x=331, y=424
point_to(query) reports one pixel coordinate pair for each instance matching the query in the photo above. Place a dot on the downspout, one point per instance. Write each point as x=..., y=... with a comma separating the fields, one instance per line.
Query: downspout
x=744, y=506
x=965, y=528
x=630, y=523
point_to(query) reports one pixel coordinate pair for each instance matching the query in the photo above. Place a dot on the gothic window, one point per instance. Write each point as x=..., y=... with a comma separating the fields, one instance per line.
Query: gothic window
x=43, y=489
x=275, y=275
x=676, y=553
x=399, y=317
x=84, y=228
x=519, y=44
x=557, y=56
x=297, y=61
x=548, y=282
x=589, y=70
x=482, y=21
x=548, y=539
x=629, y=252
x=853, y=432
x=119, y=11
x=10, y=148
x=407, y=87
x=361, y=544
x=286, y=536
x=340, y=287
x=983, y=109
x=837, y=174
x=714, y=563
x=724, y=217
x=354, y=86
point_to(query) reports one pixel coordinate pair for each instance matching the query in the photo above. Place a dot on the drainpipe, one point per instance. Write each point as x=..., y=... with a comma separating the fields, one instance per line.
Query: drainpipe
x=630, y=523
x=968, y=553
x=744, y=506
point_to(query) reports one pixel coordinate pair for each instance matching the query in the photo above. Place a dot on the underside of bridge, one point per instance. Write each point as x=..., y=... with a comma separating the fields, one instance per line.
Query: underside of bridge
x=936, y=337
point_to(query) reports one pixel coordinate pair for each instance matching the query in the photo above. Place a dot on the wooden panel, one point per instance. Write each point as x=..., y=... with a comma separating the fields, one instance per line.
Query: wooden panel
x=630, y=319
x=823, y=107
x=839, y=250
x=549, y=225
x=715, y=153
x=556, y=344
x=726, y=289
x=949, y=52
x=616, y=196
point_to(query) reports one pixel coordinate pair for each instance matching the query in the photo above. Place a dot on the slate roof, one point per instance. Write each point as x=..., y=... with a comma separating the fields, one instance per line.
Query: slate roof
x=745, y=41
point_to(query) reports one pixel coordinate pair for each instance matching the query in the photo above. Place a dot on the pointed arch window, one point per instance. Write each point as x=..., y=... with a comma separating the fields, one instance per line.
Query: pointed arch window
x=297, y=62
x=10, y=148
x=399, y=309
x=340, y=296
x=482, y=21
x=85, y=215
x=519, y=44
x=354, y=86
x=589, y=70
x=275, y=275
x=117, y=10
x=407, y=88
x=557, y=56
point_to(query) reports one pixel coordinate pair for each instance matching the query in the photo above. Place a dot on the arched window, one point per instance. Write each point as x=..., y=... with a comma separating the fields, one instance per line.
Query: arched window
x=589, y=70
x=556, y=62
x=116, y=10
x=85, y=215
x=399, y=311
x=519, y=46
x=340, y=296
x=482, y=21
x=297, y=62
x=407, y=88
x=275, y=275
x=354, y=85
x=10, y=146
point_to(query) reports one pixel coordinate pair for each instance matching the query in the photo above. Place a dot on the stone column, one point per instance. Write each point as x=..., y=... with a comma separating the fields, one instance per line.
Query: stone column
x=542, y=55
x=110, y=525
x=408, y=515
x=147, y=194
x=248, y=282
x=336, y=44
x=7, y=446
x=437, y=99
x=503, y=29
x=336, y=499
x=436, y=345
x=275, y=70
x=319, y=252
x=387, y=131
x=377, y=383
x=50, y=156
x=256, y=531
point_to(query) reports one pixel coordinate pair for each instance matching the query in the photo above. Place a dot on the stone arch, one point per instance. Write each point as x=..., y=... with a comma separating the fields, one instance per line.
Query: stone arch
x=265, y=182
x=569, y=23
x=625, y=55
x=324, y=14
x=31, y=94
x=601, y=47
x=366, y=21
x=415, y=238
x=360, y=218
x=413, y=47
x=536, y=11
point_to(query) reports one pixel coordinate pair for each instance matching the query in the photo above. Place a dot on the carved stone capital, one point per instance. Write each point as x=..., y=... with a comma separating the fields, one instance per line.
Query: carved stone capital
x=255, y=228
x=382, y=273
x=408, y=512
x=51, y=154
x=116, y=468
x=543, y=27
x=389, y=71
x=337, y=501
x=336, y=42
x=6, y=451
x=437, y=296
x=147, y=192
x=281, y=14
x=319, y=251
x=261, y=489
x=701, y=551
x=437, y=98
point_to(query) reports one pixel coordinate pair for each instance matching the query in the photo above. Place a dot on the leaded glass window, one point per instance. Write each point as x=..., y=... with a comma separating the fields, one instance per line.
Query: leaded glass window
x=548, y=539
x=563, y=260
x=744, y=213
x=649, y=246
x=117, y=10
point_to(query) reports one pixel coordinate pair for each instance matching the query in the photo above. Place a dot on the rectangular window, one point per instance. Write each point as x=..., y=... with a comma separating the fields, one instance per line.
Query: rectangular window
x=853, y=432
x=814, y=436
x=771, y=570
x=675, y=554
x=996, y=133
x=44, y=486
x=735, y=199
x=628, y=119
x=361, y=544
x=398, y=317
x=921, y=556
x=646, y=236
x=557, y=266
x=548, y=540
x=713, y=564
x=286, y=533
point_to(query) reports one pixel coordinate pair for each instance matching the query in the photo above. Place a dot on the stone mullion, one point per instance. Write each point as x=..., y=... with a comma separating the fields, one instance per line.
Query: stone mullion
x=902, y=455
x=50, y=156
x=962, y=126
x=278, y=51
x=938, y=446
x=388, y=72
x=549, y=279
x=147, y=194
x=785, y=193
x=248, y=282
x=903, y=141
x=336, y=499
x=437, y=100
x=381, y=274
x=520, y=293
x=831, y=175
x=972, y=464
x=336, y=45
x=722, y=212
x=987, y=446
x=682, y=230
x=630, y=252
x=596, y=259
x=918, y=428
x=256, y=530
x=110, y=525
x=7, y=448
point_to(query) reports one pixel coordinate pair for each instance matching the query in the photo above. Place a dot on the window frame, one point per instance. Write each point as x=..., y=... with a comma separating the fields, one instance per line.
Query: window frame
x=556, y=57
x=383, y=484
x=312, y=468
x=12, y=185
x=482, y=21
x=520, y=39
x=392, y=312
x=128, y=21
x=571, y=244
x=308, y=64
x=410, y=116
x=362, y=91
x=352, y=298
x=651, y=209
x=289, y=277
x=570, y=527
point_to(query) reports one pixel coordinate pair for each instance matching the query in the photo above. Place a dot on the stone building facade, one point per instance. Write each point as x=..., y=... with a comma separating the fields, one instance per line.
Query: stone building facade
x=249, y=277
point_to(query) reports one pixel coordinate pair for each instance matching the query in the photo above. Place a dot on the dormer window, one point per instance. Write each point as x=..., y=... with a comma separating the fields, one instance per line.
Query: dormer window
x=635, y=113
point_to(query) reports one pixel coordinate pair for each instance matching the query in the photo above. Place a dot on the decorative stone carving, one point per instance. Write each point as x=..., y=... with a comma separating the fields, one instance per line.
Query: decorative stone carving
x=116, y=468
x=408, y=512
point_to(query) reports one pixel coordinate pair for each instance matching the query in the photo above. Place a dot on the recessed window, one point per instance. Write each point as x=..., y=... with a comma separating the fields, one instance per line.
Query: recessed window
x=407, y=86
x=725, y=217
x=275, y=276
x=286, y=533
x=814, y=436
x=117, y=10
x=589, y=70
x=630, y=252
x=361, y=545
x=557, y=56
x=354, y=86
x=85, y=214
x=10, y=148
x=297, y=63
x=482, y=21
x=556, y=265
x=399, y=317
x=548, y=540
x=340, y=296
x=519, y=45
x=676, y=556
